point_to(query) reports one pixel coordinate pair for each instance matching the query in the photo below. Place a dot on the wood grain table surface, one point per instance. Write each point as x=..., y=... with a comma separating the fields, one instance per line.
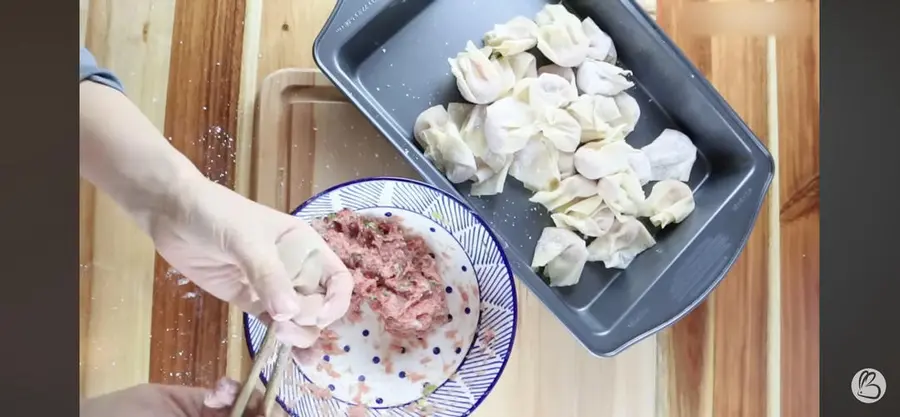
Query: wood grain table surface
x=196, y=68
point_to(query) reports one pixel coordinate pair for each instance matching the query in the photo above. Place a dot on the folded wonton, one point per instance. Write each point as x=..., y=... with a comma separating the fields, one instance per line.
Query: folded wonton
x=508, y=125
x=560, y=128
x=601, y=77
x=537, y=165
x=569, y=190
x=601, y=46
x=567, y=73
x=443, y=145
x=561, y=36
x=562, y=253
x=597, y=160
x=480, y=79
x=670, y=201
x=671, y=156
x=623, y=194
x=625, y=240
x=586, y=218
x=513, y=37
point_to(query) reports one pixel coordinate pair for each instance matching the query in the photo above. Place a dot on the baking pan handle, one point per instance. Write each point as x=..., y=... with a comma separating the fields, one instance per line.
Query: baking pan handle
x=701, y=267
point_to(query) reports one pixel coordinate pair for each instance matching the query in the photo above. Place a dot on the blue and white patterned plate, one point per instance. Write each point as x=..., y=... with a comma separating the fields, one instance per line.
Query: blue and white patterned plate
x=460, y=362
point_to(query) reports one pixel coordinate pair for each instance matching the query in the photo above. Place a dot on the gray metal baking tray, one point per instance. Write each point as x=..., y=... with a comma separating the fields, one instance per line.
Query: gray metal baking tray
x=390, y=58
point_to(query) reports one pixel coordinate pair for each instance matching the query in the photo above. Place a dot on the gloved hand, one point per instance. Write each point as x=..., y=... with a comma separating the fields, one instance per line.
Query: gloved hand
x=155, y=400
x=254, y=257
x=238, y=250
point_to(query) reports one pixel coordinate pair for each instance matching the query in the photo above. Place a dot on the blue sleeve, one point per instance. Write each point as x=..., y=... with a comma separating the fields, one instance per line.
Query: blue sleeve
x=89, y=70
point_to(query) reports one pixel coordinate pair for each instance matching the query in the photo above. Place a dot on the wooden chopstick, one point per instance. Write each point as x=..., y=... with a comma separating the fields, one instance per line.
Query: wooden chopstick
x=274, y=385
x=265, y=352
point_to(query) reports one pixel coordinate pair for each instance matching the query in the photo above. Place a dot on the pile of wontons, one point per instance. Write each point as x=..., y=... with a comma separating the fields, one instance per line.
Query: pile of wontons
x=560, y=130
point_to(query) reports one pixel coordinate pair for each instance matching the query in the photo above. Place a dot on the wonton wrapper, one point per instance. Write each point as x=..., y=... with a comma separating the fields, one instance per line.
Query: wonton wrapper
x=537, y=165
x=630, y=111
x=599, y=117
x=625, y=240
x=523, y=65
x=513, y=37
x=508, y=126
x=623, y=194
x=459, y=112
x=470, y=118
x=560, y=128
x=545, y=91
x=443, y=145
x=601, y=46
x=595, y=223
x=671, y=156
x=670, y=201
x=493, y=184
x=567, y=73
x=472, y=132
x=569, y=190
x=585, y=207
x=596, y=160
x=480, y=79
x=600, y=77
x=561, y=36
x=562, y=254
x=566, y=164
x=521, y=90
x=491, y=168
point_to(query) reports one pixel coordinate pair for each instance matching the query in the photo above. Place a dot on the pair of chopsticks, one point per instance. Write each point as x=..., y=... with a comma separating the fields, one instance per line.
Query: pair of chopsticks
x=265, y=352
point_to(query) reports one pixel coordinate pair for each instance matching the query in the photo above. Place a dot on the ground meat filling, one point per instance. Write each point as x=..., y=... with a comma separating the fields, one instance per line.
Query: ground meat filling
x=393, y=272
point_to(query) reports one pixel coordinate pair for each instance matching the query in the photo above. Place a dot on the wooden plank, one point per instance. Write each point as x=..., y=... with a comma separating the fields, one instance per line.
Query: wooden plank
x=715, y=359
x=798, y=171
x=800, y=316
x=238, y=362
x=86, y=201
x=247, y=94
x=289, y=29
x=686, y=348
x=670, y=17
x=190, y=327
x=272, y=162
x=117, y=258
x=85, y=236
x=739, y=316
x=685, y=366
x=550, y=374
x=84, y=7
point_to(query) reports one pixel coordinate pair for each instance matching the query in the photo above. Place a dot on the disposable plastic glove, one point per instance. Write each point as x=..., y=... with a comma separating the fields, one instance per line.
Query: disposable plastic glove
x=155, y=400
x=237, y=250
x=265, y=262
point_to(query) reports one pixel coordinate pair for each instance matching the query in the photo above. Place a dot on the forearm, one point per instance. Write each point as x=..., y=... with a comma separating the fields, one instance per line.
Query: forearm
x=122, y=153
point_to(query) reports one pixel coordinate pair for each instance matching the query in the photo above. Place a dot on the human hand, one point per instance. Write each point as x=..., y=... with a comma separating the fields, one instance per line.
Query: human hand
x=237, y=250
x=156, y=400
x=269, y=264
